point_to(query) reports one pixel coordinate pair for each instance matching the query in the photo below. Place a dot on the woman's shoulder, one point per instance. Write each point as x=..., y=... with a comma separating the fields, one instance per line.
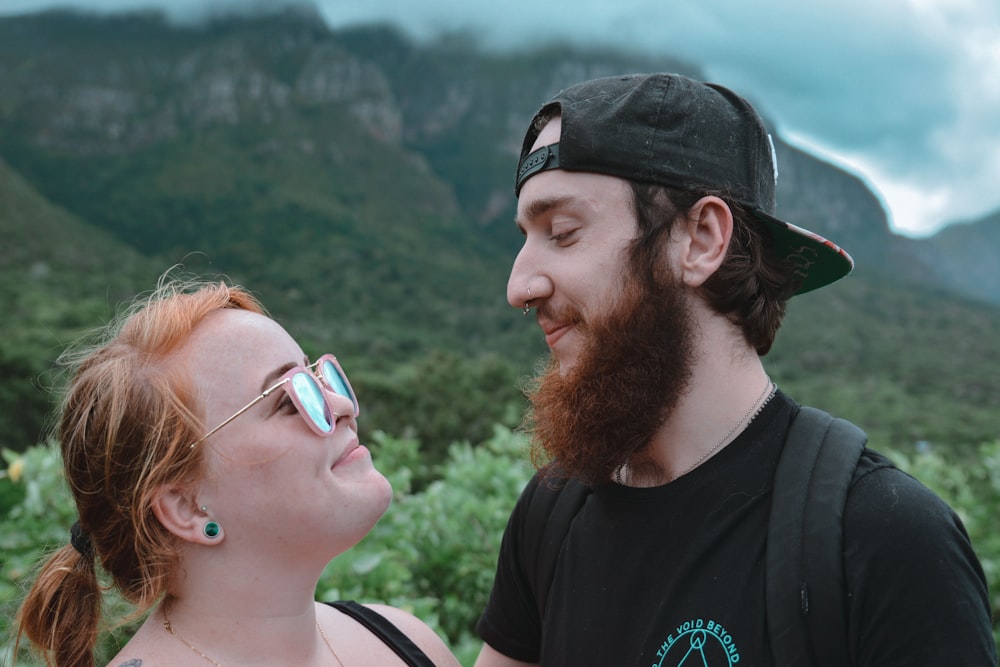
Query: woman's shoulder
x=121, y=661
x=146, y=648
x=415, y=629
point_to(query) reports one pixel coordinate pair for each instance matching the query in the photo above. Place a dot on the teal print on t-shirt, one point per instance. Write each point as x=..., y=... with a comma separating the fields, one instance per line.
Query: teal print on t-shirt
x=698, y=643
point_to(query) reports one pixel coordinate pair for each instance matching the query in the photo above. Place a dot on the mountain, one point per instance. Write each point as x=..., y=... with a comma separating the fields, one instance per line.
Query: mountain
x=361, y=184
x=836, y=204
x=263, y=147
x=962, y=257
x=57, y=275
x=273, y=148
x=43, y=242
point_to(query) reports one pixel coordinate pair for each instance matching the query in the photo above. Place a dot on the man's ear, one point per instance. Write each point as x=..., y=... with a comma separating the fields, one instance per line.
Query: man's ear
x=177, y=509
x=703, y=240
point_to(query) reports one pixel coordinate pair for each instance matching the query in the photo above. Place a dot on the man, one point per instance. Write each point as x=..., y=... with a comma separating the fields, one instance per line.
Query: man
x=659, y=276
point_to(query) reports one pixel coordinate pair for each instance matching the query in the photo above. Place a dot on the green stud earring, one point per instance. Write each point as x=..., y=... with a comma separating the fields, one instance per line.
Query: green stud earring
x=212, y=530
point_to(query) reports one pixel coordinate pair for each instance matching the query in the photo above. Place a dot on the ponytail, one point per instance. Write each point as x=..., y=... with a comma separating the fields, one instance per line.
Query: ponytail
x=62, y=610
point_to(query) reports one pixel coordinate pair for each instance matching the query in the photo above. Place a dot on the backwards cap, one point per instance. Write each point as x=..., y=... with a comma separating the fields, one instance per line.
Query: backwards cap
x=670, y=130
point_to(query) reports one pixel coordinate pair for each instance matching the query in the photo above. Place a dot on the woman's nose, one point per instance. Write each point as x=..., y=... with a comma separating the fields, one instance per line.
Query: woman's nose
x=341, y=405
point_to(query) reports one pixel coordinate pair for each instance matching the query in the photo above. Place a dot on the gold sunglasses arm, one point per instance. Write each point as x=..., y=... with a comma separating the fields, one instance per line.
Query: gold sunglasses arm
x=267, y=392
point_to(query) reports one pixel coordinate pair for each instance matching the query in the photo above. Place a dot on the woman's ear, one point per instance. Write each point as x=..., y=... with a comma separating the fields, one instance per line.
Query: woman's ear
x=703, y=240
x=176, y=508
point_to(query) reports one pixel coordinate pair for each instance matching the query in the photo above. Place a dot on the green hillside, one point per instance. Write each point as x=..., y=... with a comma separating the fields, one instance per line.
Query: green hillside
x=408, y=324
x=58, y=277
x=910, y=365
x=360, y=184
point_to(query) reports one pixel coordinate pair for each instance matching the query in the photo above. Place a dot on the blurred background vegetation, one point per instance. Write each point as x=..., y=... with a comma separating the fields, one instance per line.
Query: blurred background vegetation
x=360, y=184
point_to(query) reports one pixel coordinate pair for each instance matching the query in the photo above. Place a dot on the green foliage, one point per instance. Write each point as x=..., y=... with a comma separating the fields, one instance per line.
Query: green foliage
x=34, y=527
x=441, y=398
x=433, y=553
x=40, y=521
x=11, y=494
x=906, y=365
x=31, y=528
x=971, y=485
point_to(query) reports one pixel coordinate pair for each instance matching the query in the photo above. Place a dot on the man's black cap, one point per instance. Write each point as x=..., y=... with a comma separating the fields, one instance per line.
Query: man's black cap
x=671, y=130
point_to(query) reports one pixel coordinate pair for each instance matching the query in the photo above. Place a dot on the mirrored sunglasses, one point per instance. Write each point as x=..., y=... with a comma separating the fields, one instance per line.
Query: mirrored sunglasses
x=305, y=386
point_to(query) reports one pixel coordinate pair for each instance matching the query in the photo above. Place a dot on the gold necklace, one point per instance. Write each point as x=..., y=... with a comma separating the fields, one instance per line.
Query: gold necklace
x=328, y=644
x=769, y=390
x=170, y=629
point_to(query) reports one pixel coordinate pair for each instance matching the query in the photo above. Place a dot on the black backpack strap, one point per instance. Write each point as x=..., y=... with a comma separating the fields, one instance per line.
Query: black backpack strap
x=549, y=516
x=806, y=603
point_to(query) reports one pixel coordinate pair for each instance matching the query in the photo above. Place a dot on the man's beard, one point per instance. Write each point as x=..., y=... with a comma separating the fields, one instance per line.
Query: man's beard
x=634, y=367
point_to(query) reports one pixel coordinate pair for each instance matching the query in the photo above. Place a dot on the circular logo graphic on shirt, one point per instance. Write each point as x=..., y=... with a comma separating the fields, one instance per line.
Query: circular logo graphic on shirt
x=698, y=643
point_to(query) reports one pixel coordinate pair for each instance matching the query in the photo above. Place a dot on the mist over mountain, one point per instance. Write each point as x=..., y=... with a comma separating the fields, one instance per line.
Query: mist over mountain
x=109, y=89
x=361, y=184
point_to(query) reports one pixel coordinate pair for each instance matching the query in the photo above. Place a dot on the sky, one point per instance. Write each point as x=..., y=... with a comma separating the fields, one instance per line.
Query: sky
x=903, y=93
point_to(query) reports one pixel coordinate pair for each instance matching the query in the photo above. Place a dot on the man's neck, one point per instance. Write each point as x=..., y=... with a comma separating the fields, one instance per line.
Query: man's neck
x=728, y=384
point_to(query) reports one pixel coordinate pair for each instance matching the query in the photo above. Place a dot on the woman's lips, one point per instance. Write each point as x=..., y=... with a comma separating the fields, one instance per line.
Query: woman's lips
x=353, y=451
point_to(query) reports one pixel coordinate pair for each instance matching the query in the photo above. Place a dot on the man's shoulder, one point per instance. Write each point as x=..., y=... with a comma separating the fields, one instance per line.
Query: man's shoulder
x=880, y=490
x=883, y=502
x=869, y=462
x=546, y=496
x=874, y=461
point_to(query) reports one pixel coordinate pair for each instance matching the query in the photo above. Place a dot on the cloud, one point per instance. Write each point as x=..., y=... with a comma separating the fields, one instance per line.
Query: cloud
x=906, y=93
x=903, y=92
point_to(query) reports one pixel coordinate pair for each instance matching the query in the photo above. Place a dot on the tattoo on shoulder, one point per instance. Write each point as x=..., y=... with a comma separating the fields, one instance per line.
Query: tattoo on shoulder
x=134, y=662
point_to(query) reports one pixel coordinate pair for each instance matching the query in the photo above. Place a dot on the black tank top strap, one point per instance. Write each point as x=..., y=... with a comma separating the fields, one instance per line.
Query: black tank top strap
x=383, y=628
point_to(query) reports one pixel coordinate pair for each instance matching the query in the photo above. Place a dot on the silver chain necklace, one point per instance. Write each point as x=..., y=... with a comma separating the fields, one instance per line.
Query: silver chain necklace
x=769, y=391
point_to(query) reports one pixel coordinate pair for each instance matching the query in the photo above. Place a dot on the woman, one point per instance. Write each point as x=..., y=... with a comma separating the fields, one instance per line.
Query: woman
x=216, y=472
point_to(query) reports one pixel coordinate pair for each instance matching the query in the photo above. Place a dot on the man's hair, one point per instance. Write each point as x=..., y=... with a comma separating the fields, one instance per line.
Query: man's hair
x=753, y=284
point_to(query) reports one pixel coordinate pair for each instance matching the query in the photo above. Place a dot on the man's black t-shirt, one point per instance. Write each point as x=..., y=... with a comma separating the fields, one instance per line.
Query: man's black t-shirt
x=674, y=575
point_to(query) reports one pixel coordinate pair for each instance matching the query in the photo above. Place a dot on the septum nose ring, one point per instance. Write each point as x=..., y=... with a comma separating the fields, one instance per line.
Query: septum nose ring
x=527, y=308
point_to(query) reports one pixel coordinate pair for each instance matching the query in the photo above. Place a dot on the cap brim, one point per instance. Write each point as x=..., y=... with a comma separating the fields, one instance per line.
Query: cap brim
x=817, y=261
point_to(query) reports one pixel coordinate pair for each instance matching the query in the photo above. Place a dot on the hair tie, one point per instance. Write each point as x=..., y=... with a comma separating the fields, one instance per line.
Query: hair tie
x=81, y=541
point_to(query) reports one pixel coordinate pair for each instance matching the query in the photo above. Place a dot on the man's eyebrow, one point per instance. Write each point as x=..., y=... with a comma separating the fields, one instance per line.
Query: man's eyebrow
x=542, y=206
